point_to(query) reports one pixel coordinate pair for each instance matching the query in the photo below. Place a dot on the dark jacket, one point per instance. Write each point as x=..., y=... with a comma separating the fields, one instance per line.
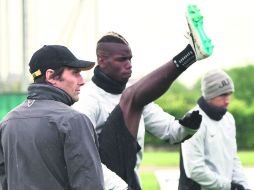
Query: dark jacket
x=45, y=144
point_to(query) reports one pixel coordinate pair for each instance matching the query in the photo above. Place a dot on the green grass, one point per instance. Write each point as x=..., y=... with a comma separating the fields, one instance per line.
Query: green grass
x=149, y=181
x=246, y=157
x=161, y=159
x=171, y=159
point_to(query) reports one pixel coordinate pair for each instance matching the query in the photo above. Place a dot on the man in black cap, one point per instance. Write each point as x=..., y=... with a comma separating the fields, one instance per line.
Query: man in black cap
x=45, y=144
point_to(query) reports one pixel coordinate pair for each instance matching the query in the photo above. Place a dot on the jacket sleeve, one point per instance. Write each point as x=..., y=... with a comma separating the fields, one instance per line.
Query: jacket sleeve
x=3, y=177
x=81, y=154
x=238, y=173
x=163, y=125
x=195, y=166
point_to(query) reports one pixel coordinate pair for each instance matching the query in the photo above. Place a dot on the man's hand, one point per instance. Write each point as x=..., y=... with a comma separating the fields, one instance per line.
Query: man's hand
x=191, y=120
x=236, y=186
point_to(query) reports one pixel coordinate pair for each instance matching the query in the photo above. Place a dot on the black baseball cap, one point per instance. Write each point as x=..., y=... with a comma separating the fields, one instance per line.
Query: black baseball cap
x=54, y=57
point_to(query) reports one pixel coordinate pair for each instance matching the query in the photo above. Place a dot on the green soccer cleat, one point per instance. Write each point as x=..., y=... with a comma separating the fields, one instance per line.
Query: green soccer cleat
x=200, y=43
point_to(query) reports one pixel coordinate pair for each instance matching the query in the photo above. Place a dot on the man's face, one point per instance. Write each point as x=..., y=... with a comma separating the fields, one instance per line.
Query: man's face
x=71, y=81
x=221, y=101
x=116, y=64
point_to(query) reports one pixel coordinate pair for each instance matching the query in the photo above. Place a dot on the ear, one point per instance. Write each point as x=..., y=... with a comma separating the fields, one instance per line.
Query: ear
x=101, y=61
x=49, y=76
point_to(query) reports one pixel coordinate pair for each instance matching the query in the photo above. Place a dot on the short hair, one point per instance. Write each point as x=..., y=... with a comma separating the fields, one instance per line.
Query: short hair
x=113, y=37
x=56, y=75
x=110, y=37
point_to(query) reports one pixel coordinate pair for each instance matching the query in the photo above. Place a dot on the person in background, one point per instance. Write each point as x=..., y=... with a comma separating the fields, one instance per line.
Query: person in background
x=45, y=144
x=133, y=110
x=209, y=159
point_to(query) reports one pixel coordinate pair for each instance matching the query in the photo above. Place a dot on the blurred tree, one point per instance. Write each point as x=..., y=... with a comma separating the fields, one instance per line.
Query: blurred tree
x=244, y=82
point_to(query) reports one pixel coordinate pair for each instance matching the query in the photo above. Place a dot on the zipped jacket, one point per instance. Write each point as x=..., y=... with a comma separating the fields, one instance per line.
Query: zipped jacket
x=45, y=144
x=209, y=157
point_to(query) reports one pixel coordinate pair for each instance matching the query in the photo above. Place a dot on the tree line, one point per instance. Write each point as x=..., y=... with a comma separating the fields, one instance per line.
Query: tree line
x=179, y=99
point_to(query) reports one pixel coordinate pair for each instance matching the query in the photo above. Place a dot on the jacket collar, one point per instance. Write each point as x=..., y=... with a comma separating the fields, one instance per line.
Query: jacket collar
x=106, y=83
x=214, y=112
x=48, y=92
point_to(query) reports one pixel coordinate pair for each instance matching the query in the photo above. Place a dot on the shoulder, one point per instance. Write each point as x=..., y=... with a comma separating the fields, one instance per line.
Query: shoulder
x=229, y=118
x=229, y=115
x=73, y=113
x=90, y=93
x=64, y=112
x=90, y=88
x=74, y=118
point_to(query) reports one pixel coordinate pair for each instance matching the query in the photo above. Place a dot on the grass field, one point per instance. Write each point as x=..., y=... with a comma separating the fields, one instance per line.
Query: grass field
x=157, y=160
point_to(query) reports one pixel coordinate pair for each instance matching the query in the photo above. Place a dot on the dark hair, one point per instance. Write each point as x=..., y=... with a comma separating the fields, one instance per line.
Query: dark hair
x=113, y=37
x=110, y=37
x=56, y=75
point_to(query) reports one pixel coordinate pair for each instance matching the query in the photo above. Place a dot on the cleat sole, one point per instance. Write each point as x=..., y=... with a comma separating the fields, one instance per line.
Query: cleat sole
x=195, y=22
